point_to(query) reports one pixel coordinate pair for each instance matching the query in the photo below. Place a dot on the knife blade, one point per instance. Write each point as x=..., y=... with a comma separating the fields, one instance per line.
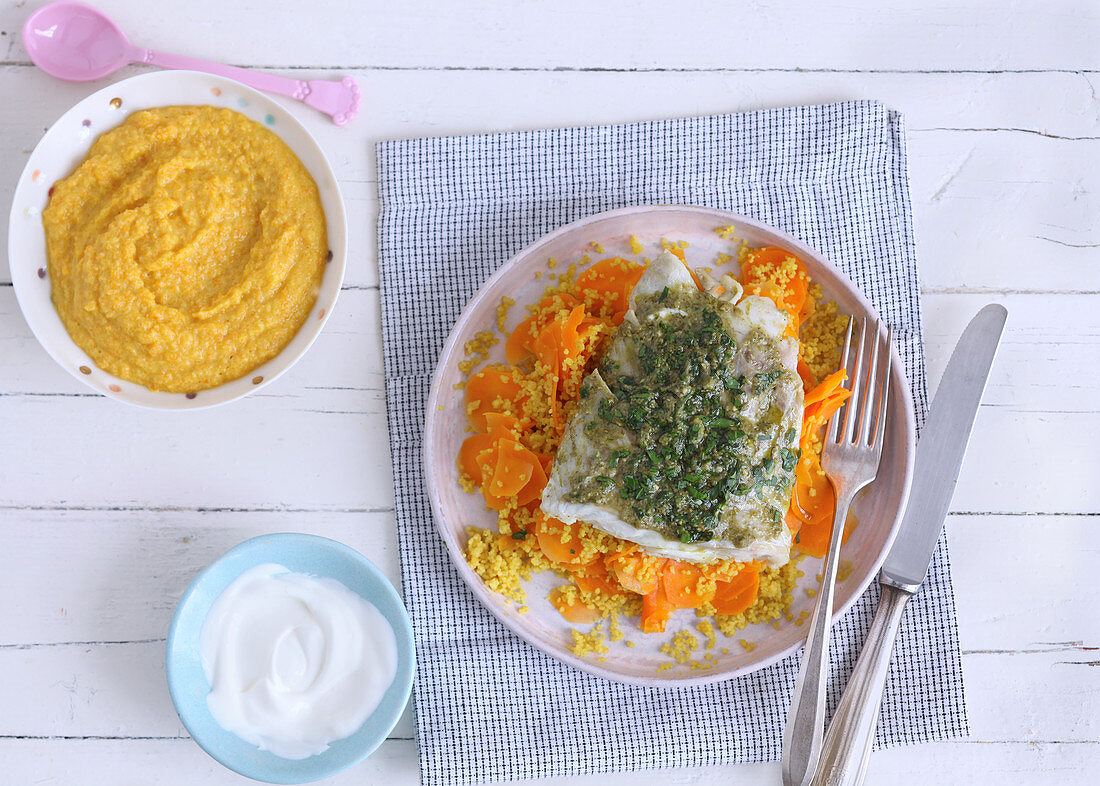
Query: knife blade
x=847, y=747
x=941, y=449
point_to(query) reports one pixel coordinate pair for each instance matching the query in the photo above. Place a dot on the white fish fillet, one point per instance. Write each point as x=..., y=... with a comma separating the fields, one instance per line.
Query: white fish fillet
x=755, y=324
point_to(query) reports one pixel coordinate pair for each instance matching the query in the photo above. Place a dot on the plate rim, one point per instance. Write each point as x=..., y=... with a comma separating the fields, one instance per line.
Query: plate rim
x=903, y=400
x=336, y=228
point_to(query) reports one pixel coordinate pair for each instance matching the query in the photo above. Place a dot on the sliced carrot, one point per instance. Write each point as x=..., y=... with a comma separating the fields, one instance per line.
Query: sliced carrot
x=502, y=425
x=807, y=376
x=520, y=343
x=560, y=542
x=546, y=460
x=514, y=468
x=655, y=610
x=573, y=609
x=532, y=491
x=812, y=498
x=570, y=338
x=609, y=283
x=548, y=349
x=508, y=543
x=682, y=582
x=468, y=454
x=493, y=389
x=827, y=387
x=740, y=592
x=595, y=577
x=635, y=570
x=760, y=275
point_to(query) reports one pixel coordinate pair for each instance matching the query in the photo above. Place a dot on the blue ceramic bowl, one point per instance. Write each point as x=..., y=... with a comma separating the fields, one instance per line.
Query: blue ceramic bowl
x=188, y=685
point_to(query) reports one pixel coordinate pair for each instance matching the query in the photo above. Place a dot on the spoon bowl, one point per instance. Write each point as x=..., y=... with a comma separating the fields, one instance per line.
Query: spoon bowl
x=75, y=42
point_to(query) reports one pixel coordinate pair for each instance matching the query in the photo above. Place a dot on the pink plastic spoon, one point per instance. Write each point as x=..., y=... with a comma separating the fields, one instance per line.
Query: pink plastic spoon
x=78, y=43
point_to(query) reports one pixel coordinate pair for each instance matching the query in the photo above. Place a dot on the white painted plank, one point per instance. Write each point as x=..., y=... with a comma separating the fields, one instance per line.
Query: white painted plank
x=179, y=762
x=99, y=690
x=1027, y=657
x=119, y=690
x=111, y=576
x=115, y=576
x=989, y=204
x=624, y=34
x=1004, y=180
x=1032, y=448
x=1040, y=409
x=316, y=438
x=347, y=357
x=1024, y=584
x=176, y=762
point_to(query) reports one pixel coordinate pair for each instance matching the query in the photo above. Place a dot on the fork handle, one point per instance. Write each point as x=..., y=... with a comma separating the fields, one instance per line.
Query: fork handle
x=847, y=746
x=802, y=737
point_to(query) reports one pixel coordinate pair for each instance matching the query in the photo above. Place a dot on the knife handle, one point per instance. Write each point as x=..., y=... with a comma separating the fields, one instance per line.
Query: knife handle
x=847, y=746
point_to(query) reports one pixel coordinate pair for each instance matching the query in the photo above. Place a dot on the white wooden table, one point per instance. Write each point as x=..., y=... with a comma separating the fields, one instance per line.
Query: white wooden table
x=107, y=512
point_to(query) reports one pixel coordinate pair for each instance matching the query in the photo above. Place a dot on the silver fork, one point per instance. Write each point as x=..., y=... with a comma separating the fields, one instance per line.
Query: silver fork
x=850, y=458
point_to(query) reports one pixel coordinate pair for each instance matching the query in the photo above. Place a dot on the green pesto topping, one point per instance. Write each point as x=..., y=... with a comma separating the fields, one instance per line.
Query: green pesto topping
x=684, y=451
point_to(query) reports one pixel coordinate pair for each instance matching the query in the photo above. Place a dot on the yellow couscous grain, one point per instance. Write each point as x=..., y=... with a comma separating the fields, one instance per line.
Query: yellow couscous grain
x=593, y=641
x=680, y=648
x=506, y=304
x=707, y=630
x=509, y=556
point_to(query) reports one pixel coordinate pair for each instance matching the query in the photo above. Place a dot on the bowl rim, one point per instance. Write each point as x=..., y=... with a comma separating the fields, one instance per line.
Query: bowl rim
x=403, y=679
x=902, y=398
x=332, y=280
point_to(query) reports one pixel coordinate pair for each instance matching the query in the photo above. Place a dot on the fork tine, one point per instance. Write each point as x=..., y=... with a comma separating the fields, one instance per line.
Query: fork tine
x=884, y=391
x=868, y=414
x=834, y=421
x=854, y=406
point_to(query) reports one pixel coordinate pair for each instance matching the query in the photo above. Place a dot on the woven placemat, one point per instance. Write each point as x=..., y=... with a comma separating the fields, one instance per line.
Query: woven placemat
x=490, y=707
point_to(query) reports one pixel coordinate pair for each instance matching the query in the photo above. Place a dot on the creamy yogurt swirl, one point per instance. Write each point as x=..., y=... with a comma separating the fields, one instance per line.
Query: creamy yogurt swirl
x=294, y=662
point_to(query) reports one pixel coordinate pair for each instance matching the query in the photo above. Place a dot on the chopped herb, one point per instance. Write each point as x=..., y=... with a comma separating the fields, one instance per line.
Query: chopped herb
x=519, y=534
x=680, y=409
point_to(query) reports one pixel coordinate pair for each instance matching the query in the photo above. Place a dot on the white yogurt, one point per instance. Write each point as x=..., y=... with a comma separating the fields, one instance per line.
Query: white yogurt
x=295, y=662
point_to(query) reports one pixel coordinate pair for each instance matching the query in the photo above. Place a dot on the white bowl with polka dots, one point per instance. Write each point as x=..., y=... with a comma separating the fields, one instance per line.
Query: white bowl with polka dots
x=66, y=144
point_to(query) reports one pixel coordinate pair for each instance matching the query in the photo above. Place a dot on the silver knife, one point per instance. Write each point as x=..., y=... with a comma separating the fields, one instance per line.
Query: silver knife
x=847, y=746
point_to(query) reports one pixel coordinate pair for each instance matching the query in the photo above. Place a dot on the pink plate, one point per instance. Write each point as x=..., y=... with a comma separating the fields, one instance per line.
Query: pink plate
x=878, y=510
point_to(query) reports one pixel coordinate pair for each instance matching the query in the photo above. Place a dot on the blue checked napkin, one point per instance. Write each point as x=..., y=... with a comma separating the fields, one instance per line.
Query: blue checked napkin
x=488, y=706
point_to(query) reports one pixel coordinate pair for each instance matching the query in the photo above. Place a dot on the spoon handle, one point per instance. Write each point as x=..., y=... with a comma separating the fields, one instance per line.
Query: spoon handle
x=339, y=99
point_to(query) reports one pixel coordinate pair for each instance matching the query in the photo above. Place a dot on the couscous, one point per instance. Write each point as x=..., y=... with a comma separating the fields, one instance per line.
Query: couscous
x=518, y=411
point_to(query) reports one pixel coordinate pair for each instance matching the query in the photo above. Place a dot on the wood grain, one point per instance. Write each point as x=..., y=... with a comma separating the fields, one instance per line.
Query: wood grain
x=621, y=35
x=107, y=512
x=997, y=183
